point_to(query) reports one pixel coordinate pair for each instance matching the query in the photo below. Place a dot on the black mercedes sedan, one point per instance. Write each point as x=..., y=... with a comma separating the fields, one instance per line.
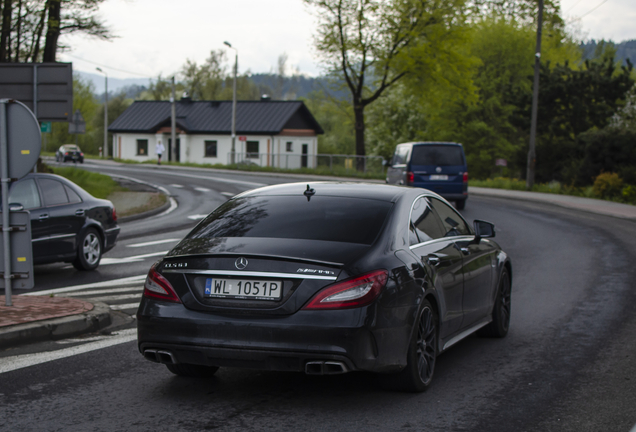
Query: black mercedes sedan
x=326, y=278
x=67, y=223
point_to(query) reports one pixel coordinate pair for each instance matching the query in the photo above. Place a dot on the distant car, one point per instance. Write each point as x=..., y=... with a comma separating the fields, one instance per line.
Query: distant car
x=326, y=279
x=67, y=223
x=69, y=152
x=437, y=166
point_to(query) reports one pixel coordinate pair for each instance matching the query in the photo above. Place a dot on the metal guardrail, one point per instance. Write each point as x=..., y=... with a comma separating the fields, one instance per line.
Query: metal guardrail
x=333, y=162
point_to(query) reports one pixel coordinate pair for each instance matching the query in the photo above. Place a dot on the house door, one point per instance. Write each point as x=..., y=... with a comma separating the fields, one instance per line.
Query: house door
x=303, y=158
x=177, y=152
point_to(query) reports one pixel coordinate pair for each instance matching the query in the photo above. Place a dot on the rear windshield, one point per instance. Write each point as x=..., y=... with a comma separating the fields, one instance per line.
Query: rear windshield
x=438, y=155
x=336, y=219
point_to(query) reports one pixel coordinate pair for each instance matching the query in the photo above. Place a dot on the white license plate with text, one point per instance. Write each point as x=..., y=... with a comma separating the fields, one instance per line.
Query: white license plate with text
x=439, y=177
x=243, y=289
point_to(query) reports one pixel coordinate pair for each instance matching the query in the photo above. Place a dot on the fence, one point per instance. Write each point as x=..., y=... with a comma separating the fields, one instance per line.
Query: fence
x=335, y=163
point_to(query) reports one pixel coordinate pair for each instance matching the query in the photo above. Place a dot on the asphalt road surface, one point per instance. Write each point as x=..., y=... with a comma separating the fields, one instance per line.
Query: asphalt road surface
x=568, y=363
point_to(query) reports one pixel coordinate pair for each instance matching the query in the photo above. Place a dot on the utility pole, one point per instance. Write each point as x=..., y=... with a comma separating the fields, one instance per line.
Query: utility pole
x=532, y=158
x=105, y=153
x=233, y=151
x=173, y=125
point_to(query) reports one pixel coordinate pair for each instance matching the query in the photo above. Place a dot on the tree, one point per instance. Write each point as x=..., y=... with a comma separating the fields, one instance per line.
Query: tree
x=29, y=25
x=373, y=44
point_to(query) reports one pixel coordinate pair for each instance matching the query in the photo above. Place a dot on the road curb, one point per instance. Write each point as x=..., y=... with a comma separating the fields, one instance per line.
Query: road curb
x=56, y=328
x=148, y=213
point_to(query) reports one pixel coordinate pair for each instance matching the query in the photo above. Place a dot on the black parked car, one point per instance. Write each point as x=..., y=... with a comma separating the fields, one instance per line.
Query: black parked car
x=326, y=279
x=69, y=152
x=67, y=223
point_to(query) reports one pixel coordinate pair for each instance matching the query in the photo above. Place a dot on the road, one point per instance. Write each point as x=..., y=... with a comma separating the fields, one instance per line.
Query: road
x=568, y=363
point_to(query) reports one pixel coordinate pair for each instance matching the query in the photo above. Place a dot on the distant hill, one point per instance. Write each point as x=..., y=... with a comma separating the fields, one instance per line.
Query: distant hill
x=624, y=50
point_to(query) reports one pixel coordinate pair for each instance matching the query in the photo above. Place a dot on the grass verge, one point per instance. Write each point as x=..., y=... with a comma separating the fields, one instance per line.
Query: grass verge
x=98, y=185
x=336, y=172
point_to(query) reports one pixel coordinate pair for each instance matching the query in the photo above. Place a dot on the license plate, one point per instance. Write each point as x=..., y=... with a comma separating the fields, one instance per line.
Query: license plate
x=243, y=289
x=439, y=177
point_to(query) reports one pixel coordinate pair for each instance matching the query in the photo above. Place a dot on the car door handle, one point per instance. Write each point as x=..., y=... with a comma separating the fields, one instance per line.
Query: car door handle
x=79, y=212
x=433, y=260
x=465, y=251
x=44, y=216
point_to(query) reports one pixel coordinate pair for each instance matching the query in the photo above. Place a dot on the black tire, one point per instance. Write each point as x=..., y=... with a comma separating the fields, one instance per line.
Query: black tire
x=89, y=251
x=501, y=311
x=421, y=357
x=460, y=204
x=190, y=370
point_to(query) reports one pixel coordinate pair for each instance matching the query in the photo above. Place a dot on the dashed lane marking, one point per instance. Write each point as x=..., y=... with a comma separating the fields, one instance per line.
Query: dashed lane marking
x=113, y=282
x=228, y=194
x=202, y=189
x=8, y=364
x=178, y=186
x=125, y=306
x=197, y=217
x=106, y=291
x=132, y=259
x=152, y=243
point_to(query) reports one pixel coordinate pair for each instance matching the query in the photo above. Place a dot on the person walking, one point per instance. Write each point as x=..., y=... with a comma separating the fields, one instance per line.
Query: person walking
x=159, y=149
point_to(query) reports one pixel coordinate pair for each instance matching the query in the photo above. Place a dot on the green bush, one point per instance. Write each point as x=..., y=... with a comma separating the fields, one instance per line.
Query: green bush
x=629, y=194
x=608, y=186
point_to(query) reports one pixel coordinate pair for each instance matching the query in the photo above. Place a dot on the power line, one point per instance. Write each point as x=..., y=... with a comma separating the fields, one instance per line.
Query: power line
x=109, y=67
x=593, y=9
x=572, y=7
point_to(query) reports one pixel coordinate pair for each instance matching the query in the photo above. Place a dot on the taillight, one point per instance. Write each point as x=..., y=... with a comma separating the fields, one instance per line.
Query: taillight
x=114, y=215
x=465, y=177
x=66, y=154
x=81, y=154
x=157, y=287
x=410, y=177
x=355, y=292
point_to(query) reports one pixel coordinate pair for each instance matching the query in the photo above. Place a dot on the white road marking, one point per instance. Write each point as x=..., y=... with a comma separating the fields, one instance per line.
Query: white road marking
x=202, y=189
x=125, y=306
x=114, y=282
x=152, y=243
x=106, y=291
x=228, y=194
x=131, y=259
x=197, y=216
x=8, y=364
x=116, y=297
x=178, y=186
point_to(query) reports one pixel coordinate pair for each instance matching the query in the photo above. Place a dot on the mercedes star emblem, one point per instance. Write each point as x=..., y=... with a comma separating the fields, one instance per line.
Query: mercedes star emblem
x=241, y=263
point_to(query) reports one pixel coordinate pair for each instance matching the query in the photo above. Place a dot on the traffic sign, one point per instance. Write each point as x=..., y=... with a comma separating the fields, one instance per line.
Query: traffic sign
x=24, y=141
x=242, y=138
x=45, y=127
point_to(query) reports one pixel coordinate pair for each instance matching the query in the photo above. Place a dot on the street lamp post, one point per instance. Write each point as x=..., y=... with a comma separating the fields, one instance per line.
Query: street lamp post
x=105, y=153
x=233, y=102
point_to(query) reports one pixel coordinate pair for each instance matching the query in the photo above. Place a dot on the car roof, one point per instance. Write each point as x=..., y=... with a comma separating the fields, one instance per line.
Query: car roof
x=423, y=143
x=373, y=191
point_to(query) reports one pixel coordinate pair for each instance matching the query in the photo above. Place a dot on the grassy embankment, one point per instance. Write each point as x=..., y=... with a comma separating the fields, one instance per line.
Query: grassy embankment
x=103, y=186
x=602, y=188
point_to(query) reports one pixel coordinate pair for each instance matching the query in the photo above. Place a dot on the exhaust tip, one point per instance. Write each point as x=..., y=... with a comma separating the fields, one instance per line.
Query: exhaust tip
x=325, y=368
x=156, y=356
x=151, y=355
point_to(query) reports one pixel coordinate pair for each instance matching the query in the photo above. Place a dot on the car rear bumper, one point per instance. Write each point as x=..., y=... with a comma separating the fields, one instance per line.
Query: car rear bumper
x=283, y=343
x=110, y=238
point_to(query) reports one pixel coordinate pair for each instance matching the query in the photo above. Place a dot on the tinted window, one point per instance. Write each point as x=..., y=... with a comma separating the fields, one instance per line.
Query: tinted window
x=401, y=153
x=453, y=223
x=73, y=197
x=438, y=155
x=25, y=193
x=424, y=222
x=335, y=219
x=53, y=192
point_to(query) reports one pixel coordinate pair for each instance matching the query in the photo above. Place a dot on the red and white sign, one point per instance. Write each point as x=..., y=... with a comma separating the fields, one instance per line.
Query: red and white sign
x=242, y=138
x=501, y=162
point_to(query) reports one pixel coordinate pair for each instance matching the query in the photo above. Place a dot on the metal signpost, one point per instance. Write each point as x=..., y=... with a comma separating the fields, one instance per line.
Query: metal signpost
x=20, y=146
x=77, y=125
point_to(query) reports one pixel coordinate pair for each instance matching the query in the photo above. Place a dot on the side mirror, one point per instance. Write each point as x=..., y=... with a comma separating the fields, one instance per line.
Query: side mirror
x=483, y=229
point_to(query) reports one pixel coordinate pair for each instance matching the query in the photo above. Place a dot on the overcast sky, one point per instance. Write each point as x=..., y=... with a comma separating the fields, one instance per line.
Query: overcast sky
x=157, y=36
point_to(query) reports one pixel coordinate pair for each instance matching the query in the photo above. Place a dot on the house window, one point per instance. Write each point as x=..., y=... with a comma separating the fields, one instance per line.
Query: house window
x=252, y=149
x=210, y=149
x=290, y=146
x=142, y=147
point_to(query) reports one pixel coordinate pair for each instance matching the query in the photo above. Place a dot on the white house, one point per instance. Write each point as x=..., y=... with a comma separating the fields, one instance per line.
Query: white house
x=280, y=134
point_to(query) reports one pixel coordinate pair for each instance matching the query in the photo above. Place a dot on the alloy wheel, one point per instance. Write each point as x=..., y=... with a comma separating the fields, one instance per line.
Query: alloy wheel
x=426, y=345
x=91, y=249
